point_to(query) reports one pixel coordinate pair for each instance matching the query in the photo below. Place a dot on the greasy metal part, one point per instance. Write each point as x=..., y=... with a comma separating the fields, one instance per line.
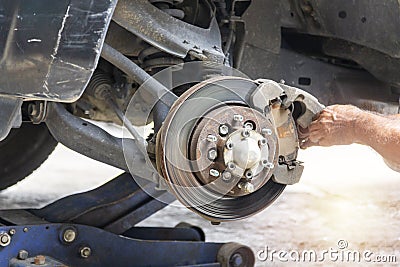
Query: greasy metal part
x=289, y=170
x=97, y=247
x=37, y=111
x=49, y=49
x=156, y=89
x=199, y=197
x=116, y=206
x=84, y=221
x=10, y=115
x=167, y=33
x=92, y=141
x=235, y=255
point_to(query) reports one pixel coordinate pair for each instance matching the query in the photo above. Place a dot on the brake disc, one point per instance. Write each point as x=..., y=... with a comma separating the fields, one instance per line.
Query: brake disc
x=228, y=146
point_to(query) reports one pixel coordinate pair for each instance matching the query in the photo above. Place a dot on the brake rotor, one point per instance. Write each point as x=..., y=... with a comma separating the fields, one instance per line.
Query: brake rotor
x=229, y=145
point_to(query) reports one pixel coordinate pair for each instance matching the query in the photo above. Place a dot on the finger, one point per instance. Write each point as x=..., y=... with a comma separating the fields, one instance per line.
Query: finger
x=307, y=143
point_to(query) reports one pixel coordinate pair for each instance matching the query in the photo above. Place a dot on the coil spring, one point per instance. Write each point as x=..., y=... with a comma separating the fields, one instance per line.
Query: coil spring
x=152, y=59
x=168, y=6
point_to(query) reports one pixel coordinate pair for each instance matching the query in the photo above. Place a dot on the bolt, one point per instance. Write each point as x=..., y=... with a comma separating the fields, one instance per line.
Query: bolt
x=211, y=138
x=231, y=166
x=266, y=131
x=248, y=125
x=246, y=133
x=262, y=142
x=5, y=239
x=39, y=260
x=23, y=254
x=69, y=235
x=282, y=81
x=267, y=109
x=25, y=230
x=85, y=252
x=12, y=232
x=214, y=172
x=237, y=117
x=223, y=130
x=226, y=176
x=248, y=174
x=236, y=260
x=229, y=145
x=246, y=187
x=212, y=154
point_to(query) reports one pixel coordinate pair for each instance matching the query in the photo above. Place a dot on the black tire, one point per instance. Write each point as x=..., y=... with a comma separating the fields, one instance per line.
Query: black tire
x=23, y=151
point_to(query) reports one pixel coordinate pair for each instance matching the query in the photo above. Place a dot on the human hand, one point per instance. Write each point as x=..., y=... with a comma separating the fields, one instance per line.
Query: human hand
x=335, y=125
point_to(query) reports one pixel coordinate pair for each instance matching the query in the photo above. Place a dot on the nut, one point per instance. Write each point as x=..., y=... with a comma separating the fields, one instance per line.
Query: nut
x=69, y=235
x=212, y=154
x=85, y=252
x=248, y=174
x=249, y=125
x=223, y=130
x=5, y=239
x=23, y=254
x=231, y=166
x=226, y=176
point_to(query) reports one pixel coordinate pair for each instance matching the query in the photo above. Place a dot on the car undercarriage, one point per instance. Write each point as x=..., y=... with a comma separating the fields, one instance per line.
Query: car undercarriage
x=228, y=87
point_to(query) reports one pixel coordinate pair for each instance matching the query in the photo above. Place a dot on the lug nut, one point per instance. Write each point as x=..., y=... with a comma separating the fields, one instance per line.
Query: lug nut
x=237, y=117
x=248, y=125
x=5, y=239
x=246, y=133
x=85, y=252
x=266, y=131
x=69, y=235
x=223, y=130
x=212, y=154
x=226, y=176
x=246, y=187
x=214, y=172
x=262, y=142
x=211, y=138
x=39, y=260
x=23, y=254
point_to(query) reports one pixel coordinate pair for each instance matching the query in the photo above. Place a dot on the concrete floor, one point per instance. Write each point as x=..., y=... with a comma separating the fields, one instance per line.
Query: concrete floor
x=346, y=193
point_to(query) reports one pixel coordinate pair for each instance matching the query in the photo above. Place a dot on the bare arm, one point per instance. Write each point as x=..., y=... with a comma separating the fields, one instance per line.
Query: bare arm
x=344, y=124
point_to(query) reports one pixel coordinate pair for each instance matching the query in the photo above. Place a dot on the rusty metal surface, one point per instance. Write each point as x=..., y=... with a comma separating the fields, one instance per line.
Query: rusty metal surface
x=167, y=33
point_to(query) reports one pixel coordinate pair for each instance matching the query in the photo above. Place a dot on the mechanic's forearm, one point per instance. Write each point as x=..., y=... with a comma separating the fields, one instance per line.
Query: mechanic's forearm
x=380, y=133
